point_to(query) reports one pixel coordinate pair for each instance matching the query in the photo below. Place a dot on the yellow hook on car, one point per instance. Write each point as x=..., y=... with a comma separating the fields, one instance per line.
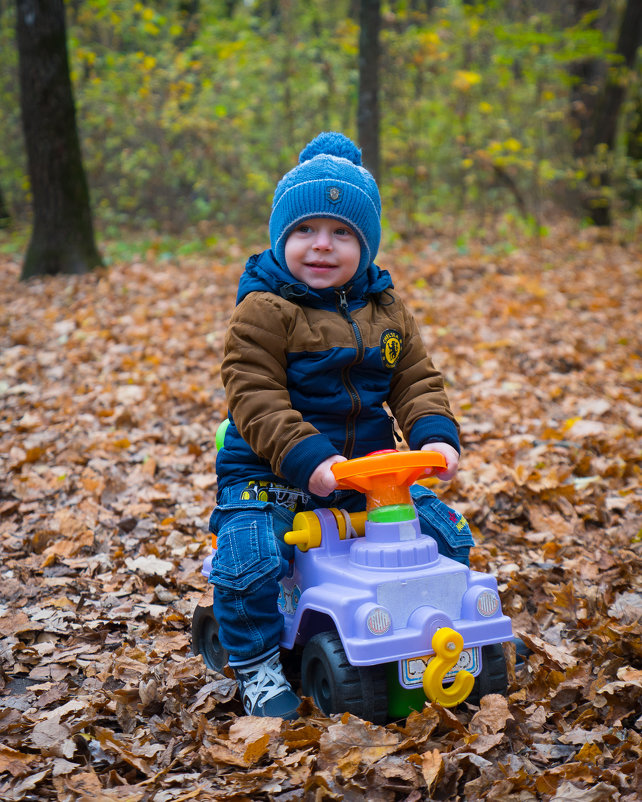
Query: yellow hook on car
x=447, y=645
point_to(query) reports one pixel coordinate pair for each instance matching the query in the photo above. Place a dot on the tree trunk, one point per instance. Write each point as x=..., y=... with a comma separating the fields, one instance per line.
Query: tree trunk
x=634, y=152
x=629, y=39
x=189, y=11
x=598, y=116
x=62, y=240
x=608, y=111
x=5, y=217
x=368, y=110
x=588, y=75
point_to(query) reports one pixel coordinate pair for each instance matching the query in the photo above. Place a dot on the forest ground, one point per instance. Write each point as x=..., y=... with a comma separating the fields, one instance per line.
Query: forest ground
x=110, y=396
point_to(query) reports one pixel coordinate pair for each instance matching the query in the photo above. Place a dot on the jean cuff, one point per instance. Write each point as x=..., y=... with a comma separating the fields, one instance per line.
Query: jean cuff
x=253, y=660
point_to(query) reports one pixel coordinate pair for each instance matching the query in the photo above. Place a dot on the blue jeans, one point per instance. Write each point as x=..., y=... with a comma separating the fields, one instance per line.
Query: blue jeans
x=251, y=556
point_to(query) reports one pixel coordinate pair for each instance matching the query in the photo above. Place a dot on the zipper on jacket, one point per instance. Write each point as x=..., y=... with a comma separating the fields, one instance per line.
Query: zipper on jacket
x=395, y=433
x=345, y=375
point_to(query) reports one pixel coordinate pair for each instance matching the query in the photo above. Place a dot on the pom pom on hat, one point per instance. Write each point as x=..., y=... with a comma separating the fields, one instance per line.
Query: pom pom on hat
x=329, y=181
x=331, y=143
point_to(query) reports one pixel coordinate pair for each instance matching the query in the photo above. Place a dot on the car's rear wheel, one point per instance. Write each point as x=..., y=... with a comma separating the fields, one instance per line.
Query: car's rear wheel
x=205, y=640
x=337, y=686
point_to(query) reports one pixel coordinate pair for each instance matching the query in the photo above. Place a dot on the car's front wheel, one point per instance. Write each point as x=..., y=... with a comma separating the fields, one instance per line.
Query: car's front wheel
x=493, y=677
x=337, y=686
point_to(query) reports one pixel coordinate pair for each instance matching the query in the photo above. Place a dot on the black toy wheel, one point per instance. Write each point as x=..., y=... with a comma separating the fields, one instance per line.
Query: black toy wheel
x=493, y=677
x=337, y=686
x=205, y=638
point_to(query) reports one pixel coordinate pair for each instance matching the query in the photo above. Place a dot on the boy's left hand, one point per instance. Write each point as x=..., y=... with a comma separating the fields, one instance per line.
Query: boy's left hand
x=452, y=461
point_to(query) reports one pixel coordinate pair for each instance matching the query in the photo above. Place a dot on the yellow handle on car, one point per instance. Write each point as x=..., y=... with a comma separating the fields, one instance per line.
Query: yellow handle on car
x=447, y=645
x=306, y=533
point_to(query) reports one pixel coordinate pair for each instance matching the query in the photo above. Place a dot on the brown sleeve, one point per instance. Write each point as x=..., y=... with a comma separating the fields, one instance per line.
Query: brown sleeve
x=254, y=376
x=417, y=388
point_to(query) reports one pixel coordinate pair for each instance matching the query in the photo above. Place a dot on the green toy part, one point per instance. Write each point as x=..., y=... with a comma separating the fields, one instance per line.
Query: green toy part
x=220, y=433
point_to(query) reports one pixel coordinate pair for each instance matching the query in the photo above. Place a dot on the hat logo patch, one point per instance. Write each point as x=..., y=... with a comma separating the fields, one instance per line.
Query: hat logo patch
x=391, y=345
x=334, y=194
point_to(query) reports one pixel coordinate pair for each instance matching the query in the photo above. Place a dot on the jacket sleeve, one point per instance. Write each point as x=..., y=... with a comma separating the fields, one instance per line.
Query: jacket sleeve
x=254, y=375
x=417, y=398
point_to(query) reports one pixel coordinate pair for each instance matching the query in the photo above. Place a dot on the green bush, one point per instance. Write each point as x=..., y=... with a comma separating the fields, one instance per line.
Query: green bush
x=188, y=119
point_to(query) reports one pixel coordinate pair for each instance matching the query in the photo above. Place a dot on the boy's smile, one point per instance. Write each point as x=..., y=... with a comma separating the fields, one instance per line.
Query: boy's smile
x=323, y=252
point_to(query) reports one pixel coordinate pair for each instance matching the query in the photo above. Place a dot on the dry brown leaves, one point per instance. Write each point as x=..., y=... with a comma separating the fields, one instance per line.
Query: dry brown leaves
x=110, y=396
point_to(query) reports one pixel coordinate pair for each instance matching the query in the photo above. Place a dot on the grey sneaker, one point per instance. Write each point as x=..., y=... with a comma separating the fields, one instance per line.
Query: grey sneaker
x=265, y=691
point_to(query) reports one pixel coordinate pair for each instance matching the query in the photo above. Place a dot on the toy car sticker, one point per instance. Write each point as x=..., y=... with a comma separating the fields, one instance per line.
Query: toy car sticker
x=411, y=671
x=443, y=591
x=288, y=599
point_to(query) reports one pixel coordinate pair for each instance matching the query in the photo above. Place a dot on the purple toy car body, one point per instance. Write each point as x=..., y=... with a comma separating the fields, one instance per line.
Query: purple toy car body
x=365, y=599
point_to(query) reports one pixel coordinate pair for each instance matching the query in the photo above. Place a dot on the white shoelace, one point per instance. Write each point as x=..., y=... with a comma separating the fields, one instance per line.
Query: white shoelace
x=263, y=682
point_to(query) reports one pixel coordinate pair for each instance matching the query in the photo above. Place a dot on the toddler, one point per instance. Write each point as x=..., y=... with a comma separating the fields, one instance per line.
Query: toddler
x=318, y=342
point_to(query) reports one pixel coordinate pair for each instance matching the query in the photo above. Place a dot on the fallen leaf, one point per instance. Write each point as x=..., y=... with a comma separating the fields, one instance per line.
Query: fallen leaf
x=149, y=566
x=492, y=715
x=601, y=792
x=15, y=762
x=432, y=768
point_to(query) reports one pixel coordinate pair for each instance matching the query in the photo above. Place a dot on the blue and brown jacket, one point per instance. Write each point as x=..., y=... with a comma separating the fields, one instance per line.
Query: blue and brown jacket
x=307, y=373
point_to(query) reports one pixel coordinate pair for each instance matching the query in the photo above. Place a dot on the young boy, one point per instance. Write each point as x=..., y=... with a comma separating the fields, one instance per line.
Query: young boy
x=318, y=342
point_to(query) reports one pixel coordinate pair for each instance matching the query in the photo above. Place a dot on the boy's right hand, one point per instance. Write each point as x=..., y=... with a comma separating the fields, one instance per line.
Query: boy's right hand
x=322, y=481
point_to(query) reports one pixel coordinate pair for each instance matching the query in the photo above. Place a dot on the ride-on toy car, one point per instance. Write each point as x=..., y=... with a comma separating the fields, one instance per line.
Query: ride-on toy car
x=379, y=619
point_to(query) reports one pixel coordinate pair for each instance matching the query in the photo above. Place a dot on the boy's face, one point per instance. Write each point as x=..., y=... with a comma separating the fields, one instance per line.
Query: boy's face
x=322, y=253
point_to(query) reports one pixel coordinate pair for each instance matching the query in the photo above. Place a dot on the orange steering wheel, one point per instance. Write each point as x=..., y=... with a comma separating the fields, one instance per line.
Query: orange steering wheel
x=385, y=476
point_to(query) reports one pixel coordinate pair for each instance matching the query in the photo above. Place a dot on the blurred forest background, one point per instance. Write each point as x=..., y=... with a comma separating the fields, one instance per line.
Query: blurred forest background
x=188, y=112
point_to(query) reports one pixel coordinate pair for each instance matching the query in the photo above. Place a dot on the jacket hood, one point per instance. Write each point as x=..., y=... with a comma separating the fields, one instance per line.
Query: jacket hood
x=264, y=274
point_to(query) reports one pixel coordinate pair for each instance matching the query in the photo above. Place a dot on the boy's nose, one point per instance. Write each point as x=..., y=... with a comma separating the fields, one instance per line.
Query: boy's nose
x=322, y=241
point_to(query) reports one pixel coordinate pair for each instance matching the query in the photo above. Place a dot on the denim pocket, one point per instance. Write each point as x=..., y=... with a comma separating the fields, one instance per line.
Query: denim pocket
x=449, y=527
x=248, y=550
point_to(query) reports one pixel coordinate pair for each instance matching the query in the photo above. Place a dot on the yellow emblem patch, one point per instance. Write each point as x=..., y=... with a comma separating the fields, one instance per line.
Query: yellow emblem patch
x=391, y=345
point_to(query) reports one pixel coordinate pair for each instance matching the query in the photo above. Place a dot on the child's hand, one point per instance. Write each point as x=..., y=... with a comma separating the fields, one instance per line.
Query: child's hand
x=322, y=481
x=452, y=461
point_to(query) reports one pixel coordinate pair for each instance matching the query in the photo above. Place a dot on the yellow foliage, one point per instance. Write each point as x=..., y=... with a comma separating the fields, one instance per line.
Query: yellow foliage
x=465, y=79
x=429, y=42
x=228, y=49
x=430, y=38
x=88, y=56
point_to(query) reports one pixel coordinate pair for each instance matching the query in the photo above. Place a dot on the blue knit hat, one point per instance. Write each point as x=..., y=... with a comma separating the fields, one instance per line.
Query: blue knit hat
x=329, y=181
